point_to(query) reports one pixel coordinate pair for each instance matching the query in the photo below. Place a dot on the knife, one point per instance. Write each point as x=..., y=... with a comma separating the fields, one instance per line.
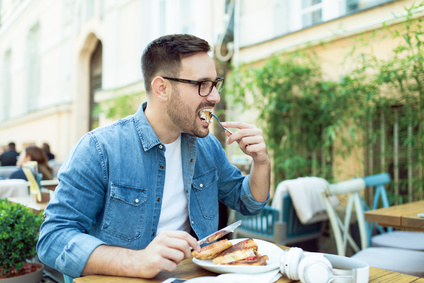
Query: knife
x=220, y=233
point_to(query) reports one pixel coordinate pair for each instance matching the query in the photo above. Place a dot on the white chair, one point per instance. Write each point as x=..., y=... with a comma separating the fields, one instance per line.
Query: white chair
x=410, y=240
x=398, y=260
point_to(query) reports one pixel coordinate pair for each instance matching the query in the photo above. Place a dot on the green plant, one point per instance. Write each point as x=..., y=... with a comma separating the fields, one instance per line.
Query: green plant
x=301, y=111
x=120, y=105
x=18, y=236
x=376, y=101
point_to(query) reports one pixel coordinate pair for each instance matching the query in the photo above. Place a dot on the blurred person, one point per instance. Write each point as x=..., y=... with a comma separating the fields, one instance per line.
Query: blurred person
x=134, y=197
x=10, y=156
x=46, y=148
x=33, y=153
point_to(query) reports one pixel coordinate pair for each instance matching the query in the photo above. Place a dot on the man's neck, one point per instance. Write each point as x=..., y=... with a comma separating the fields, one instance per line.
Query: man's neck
x=162, y=126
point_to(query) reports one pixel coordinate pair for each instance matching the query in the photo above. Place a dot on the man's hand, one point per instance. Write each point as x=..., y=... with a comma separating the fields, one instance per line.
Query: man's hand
x=252, y=143
x=164, y=253
x=250, y=140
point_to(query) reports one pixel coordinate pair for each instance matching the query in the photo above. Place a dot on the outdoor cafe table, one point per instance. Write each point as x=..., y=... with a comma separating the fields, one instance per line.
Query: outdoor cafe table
x=402, y=216
x=187, y=269
x=30, y=203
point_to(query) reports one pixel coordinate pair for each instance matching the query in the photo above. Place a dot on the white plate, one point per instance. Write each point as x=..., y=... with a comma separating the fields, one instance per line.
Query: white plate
x=264, y=248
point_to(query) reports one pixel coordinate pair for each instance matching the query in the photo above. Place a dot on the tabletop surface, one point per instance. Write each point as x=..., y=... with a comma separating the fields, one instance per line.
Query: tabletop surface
x=29, y=202
x=187, y=269
x=402, y=216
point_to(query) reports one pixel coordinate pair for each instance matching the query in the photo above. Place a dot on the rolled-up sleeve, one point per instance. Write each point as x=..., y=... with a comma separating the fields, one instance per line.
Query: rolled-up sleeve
x=248, y=201
x=64, y=242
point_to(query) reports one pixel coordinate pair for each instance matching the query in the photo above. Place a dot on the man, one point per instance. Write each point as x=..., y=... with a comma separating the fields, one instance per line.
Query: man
x=9, y=157
x=134, y=196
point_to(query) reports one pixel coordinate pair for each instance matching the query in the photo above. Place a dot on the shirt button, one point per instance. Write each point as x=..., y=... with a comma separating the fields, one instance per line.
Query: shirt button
x=191, y=160
x=158, y=199
x=160, y=146
x=161, y=167
x=201, y=185
x=192, y=222
x=136, y=200
x=153, y=233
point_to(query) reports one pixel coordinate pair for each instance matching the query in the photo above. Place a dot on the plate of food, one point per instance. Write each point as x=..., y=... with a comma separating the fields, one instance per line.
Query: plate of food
x=239, y=256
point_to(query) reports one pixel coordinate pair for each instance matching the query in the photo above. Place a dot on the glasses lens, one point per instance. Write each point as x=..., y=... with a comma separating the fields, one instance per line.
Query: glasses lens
x=219, y=85
x=205, y=88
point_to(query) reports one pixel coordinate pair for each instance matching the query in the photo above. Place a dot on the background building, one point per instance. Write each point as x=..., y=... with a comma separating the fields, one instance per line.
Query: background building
x=59, y=59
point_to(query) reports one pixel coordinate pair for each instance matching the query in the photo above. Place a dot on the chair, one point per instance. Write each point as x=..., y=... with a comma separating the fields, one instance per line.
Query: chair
x=5, y=171
x=268, y=226
x=67, y=278
x=387, y=237
x=398, y=260
x=34, y=185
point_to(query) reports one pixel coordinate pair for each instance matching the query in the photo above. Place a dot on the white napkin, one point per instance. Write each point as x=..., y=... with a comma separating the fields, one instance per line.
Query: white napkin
x=267, y=277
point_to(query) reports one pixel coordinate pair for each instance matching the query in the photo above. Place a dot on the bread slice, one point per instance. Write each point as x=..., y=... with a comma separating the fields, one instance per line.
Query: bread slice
x=212, y=250
x=258, y=260
x=239, y=251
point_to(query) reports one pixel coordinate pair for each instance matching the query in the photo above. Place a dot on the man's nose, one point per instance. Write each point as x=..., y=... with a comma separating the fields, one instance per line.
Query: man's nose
x=214, y=96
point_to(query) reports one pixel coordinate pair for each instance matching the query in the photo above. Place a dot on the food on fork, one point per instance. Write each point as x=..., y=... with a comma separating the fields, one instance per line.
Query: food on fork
x=242, y=253
x=212, y=250
x=205, y=115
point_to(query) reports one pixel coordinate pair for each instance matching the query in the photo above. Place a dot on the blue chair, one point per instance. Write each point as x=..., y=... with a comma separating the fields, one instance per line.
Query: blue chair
x=267, y=225
x=67, y=278
x=395, y=259
x=387, y=237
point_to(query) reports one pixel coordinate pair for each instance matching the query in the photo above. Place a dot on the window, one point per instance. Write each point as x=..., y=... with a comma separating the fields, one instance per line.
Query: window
x=6, y=89
x=33, y=68
x=268, y=19
x=311, y=12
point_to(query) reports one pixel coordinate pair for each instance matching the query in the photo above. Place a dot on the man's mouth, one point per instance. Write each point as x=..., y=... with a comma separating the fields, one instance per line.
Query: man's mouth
x=205, y=115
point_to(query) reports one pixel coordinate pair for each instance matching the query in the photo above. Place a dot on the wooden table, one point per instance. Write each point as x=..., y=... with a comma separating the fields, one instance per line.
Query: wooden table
x=30, y=203
x=402, y=216
x=49, y=184
x=187, y=269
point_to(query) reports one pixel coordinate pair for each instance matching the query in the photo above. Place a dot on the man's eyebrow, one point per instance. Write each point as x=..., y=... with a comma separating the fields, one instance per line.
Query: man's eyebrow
x=208, y=79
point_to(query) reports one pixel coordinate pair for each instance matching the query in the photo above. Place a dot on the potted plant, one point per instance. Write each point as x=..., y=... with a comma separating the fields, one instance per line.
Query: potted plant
x=19, y=229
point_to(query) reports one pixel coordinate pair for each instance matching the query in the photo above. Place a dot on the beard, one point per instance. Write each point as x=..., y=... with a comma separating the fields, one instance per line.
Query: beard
x=183, y=117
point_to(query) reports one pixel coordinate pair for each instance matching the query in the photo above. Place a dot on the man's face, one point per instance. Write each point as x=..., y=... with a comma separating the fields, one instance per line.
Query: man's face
x=186, y=103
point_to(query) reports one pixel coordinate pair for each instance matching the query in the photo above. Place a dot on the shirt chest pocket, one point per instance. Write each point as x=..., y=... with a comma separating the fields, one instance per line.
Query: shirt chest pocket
x=205, y=188
x=124, y=212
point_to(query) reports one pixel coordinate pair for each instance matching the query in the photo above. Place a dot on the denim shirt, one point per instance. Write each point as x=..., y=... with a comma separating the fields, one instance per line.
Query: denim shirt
x=111, y=185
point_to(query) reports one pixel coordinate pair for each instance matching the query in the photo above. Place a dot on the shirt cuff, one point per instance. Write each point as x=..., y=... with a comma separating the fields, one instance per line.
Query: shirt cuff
x=75, y=255
x=253, y=206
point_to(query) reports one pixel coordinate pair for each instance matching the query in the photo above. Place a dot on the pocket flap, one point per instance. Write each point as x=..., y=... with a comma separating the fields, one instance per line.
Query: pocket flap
x=130, y=195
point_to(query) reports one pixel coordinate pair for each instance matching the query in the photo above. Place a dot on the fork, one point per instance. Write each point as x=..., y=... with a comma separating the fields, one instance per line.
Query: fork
x=219, y=122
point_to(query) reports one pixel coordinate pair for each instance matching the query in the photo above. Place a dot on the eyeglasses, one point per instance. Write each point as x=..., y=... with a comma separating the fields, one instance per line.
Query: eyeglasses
x=205, y=87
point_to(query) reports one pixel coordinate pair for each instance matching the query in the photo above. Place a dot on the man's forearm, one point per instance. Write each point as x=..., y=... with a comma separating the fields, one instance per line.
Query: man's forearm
x=112, y=260
x=259, y=181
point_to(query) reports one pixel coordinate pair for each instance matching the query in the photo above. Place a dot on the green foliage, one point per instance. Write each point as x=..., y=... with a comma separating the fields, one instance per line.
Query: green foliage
x=18, y=236
x=303, y=113
x=120, y=106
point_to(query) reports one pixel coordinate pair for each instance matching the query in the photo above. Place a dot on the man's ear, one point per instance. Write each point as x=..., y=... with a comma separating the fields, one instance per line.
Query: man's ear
x=160, y=88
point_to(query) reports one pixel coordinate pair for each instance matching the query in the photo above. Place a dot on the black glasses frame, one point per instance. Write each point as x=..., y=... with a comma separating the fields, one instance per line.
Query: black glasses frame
x=199, y=84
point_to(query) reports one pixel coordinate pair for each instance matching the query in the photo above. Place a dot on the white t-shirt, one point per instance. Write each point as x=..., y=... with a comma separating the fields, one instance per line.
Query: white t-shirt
x=174, y=213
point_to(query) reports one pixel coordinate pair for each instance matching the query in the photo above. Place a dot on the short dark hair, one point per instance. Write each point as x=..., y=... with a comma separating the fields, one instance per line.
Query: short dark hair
x=163, y=55
x=12, y=145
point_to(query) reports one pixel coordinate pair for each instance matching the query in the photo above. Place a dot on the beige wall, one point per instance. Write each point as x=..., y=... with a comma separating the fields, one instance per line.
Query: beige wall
x=331, y=42
x=124, y=28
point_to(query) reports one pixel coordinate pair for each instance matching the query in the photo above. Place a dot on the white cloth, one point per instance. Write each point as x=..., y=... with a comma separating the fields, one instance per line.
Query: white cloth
x=266, y=277
x=306, y=196
x=13, y=188
x=174, y=212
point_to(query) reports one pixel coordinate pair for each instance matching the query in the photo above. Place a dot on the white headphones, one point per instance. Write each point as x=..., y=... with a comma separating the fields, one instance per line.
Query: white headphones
x=322, y=268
